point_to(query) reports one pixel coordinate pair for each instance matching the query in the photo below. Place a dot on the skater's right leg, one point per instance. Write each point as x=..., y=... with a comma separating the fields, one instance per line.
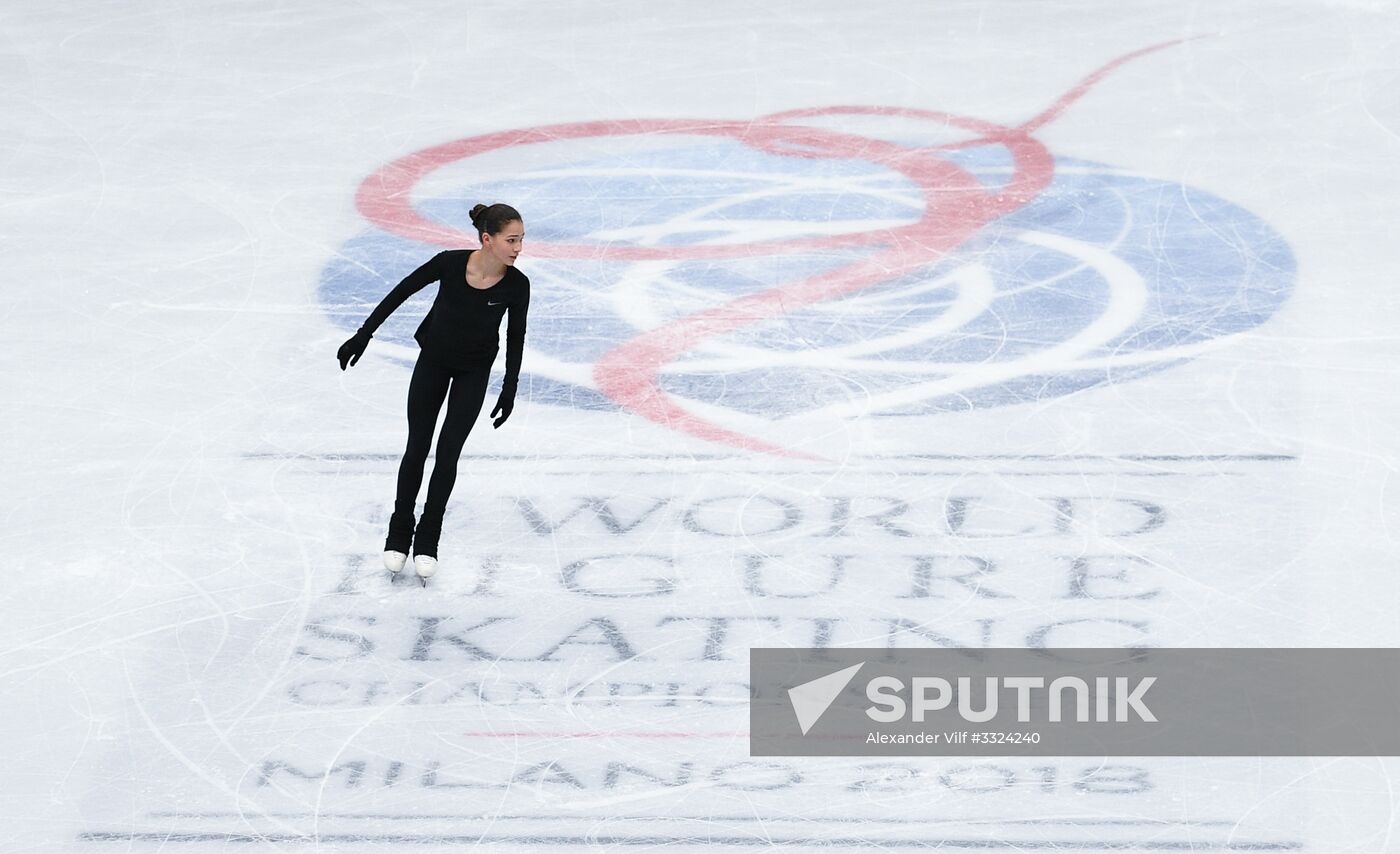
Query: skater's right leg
x=426, y=392
x=463, y=406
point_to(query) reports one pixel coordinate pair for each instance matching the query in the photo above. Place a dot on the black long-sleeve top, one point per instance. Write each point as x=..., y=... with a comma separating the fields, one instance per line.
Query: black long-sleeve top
x=463, y=326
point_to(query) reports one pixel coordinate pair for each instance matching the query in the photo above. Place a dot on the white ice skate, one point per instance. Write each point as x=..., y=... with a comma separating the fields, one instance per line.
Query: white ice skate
x=425, y=567
x=394, y=561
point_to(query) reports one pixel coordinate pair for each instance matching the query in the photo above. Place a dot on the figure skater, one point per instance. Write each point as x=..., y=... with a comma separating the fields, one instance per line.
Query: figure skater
x=458, y=341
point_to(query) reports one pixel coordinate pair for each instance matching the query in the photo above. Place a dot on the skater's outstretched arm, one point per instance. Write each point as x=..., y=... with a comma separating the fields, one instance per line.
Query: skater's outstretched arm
x=515, y=349
x=431, y=271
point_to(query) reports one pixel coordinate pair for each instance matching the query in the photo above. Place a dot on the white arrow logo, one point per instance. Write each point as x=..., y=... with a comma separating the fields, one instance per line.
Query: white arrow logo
x=810, y=700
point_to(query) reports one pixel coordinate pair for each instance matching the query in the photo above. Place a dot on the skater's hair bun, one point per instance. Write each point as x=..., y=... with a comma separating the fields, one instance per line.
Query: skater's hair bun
x=491, y=219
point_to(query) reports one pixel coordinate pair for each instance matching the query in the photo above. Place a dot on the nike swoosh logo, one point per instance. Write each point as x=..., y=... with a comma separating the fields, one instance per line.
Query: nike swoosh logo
x=488, y=302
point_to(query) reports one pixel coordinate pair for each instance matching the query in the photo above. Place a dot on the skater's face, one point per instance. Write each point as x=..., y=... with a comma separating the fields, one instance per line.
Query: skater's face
x=505, y=244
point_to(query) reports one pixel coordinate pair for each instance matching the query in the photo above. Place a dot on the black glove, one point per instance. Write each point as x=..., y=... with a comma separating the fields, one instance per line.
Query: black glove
x=504, y=404
x=351, y=351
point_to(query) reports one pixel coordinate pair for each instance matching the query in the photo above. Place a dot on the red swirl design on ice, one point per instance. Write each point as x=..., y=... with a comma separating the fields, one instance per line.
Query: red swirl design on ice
x=956, y=207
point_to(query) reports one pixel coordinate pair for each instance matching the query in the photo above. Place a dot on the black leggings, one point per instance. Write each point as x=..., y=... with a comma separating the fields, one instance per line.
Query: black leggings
x=426, y=392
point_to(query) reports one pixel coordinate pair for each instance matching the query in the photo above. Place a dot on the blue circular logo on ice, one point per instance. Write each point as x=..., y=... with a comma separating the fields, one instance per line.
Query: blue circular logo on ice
x=1105, y=276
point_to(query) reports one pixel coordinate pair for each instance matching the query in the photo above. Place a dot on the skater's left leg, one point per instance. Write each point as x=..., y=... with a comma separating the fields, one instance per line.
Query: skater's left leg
x=464, y=402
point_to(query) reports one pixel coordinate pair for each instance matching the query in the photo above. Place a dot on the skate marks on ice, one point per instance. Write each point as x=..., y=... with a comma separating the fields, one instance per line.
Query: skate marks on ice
x=577, y=672
x=760, y=283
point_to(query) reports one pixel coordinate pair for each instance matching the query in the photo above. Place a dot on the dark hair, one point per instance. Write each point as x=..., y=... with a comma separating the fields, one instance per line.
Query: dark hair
x=490, y=220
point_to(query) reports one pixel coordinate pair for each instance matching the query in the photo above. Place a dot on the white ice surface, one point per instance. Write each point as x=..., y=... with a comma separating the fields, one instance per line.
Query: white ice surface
x=195, y=495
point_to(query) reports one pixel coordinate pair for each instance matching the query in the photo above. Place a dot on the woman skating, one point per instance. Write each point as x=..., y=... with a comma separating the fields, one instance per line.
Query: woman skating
x=459, y=340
